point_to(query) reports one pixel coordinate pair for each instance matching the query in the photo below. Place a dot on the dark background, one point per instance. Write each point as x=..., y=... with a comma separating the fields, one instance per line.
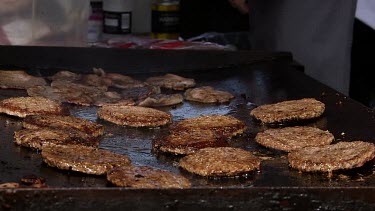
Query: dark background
x=200, y=16
x=362, y=80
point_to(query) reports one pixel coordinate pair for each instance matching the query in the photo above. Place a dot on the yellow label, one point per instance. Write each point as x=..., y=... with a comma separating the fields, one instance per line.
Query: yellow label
x=165, y=36
x=166, y=8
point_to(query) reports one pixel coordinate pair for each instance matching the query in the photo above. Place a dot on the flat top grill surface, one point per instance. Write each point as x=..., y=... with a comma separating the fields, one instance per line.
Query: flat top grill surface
x=253, y=85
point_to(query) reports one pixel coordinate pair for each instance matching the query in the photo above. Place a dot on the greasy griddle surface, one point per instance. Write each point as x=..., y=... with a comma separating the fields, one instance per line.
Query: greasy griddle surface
x=252, y=85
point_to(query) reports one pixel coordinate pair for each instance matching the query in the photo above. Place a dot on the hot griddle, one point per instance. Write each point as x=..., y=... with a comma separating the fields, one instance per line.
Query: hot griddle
x=255, y=78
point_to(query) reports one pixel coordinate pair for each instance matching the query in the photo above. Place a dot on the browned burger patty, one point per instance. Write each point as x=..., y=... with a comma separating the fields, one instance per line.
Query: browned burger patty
x=95, y=81
x=45, y=91
x=76, y=93
x=293, y=138
x=171, y=81
x=134, y=116
x=146, y=177
x=123, y=81
x=162, y=100
x=26, y=106
x=65, y=75
x=207, y=94
x=111, y=98
x=140, y=93
x=18, y=79
x=222, y=161
x=307, y=108
x=63, y=122
x=83, y=159
x=343, y=155
x=222, y=125
x=80, y=94
x=189, y=142
x=36, y=138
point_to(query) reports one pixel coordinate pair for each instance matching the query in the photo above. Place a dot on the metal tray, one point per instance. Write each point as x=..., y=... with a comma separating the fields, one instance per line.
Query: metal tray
x=261, y=79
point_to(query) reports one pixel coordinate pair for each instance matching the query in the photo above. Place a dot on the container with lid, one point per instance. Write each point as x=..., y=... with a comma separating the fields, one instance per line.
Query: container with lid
x=117, y=16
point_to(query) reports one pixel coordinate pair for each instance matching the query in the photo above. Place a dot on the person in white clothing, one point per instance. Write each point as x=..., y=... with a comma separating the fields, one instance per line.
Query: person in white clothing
x=317, y=32
x=362, y=83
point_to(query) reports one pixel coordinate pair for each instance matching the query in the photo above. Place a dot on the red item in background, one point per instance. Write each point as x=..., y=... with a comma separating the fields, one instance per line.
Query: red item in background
x=169, y=45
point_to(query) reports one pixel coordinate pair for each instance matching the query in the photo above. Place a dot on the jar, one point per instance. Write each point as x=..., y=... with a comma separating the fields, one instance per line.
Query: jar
x=117, y=16
x=165, y=19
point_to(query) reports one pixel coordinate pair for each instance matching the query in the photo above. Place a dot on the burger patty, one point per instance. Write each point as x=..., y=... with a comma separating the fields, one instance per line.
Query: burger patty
x=222, y=161
x=171, y=81
x=25, y=106
x=222, y=125
x=18, y=79
x=95, y=81
x=65, y=75
x=293, y=138
x=123, y=81
x=83, y=159
x=36, y=138
x=146, y=177
x=307, y=108
x=161, y=100
x=63, y=122
x=207, y=94
x=76, y=93
x=343, y=155
x=140, y=93
x=80, y=94
x=185, y=143
x=134, y=116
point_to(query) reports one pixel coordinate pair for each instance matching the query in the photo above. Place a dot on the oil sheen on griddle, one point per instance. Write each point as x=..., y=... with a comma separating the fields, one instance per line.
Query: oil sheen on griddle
x=165, y=19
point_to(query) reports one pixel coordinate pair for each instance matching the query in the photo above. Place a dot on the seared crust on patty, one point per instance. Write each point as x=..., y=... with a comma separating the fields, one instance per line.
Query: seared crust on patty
x=207, y=94
x=220, y=124
x=185, y=143
x=171, y=81
x=25, y=106
x=63, y=122
x=222, y=161
x=83, y=159
x=307, y=108
x=146, y=177
x=293, y=138
x=36, y=138
x=134, y=116
x=343, y=155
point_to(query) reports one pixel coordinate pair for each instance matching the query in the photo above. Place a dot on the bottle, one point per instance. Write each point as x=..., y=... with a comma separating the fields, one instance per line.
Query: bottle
x=117, y=16
x=95, y=23
x=165, y=22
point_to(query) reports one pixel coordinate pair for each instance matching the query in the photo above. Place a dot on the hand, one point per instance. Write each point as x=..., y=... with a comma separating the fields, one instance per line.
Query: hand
x=240, y=5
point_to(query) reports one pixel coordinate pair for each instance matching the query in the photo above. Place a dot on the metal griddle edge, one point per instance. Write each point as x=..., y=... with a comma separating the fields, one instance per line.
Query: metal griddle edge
x=256, y=78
